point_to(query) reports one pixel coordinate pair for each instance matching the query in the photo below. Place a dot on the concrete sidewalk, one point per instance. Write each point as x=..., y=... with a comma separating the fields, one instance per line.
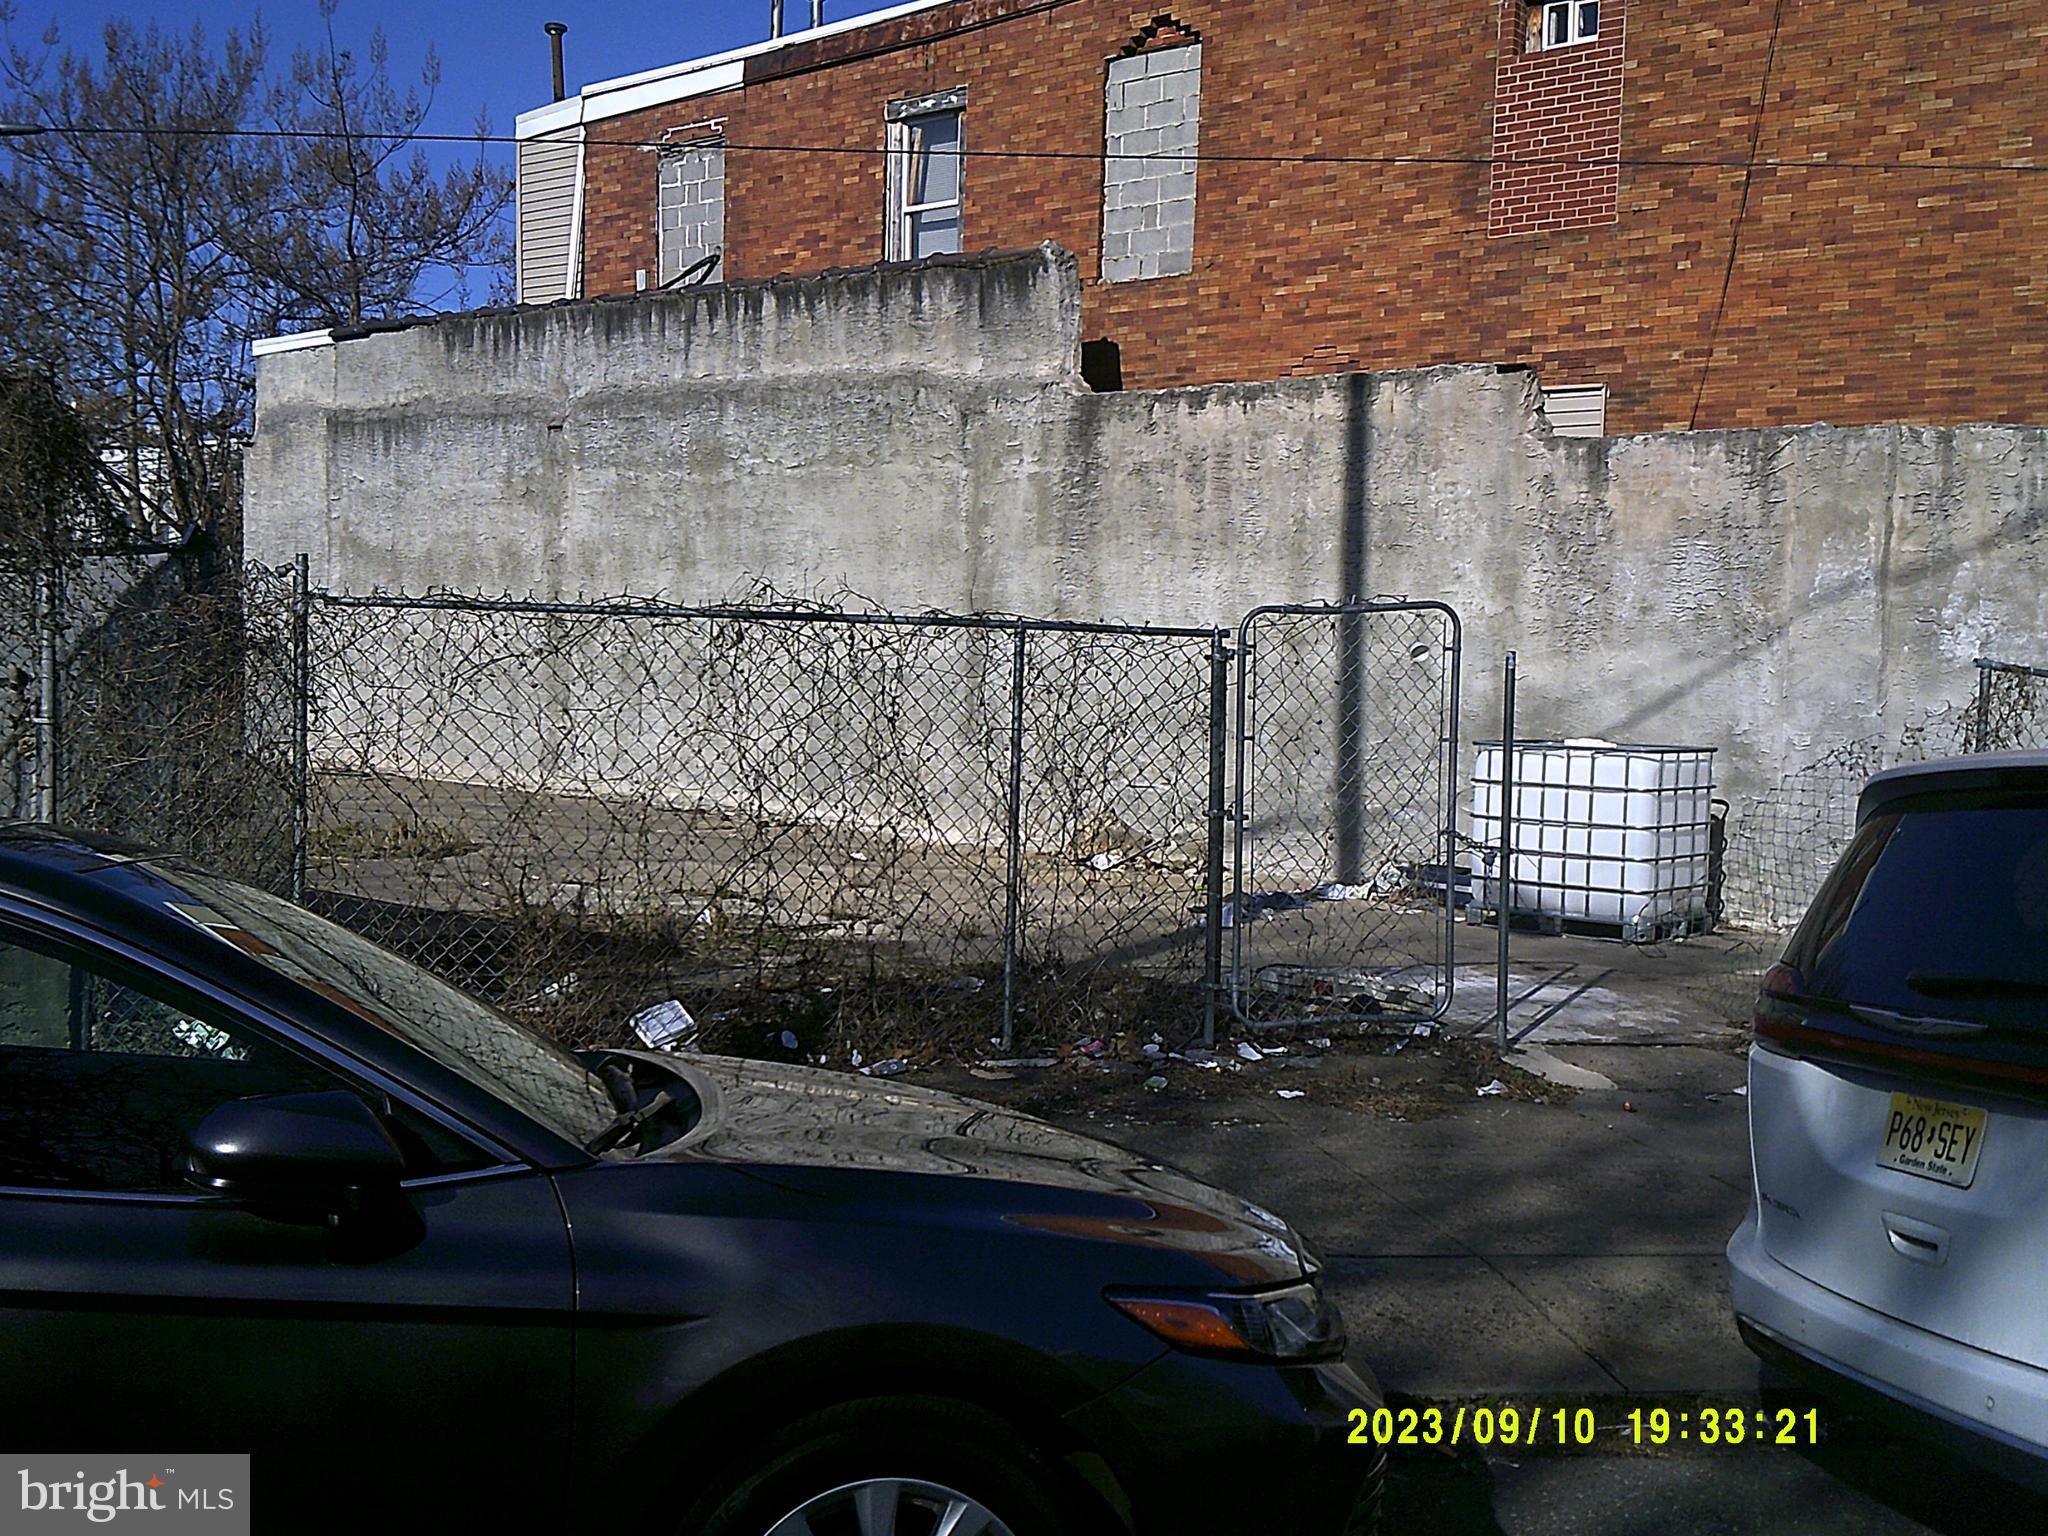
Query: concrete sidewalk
x=1566, y=990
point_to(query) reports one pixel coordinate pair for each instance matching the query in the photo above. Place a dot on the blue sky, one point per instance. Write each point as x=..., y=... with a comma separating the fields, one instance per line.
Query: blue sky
x=493, y=52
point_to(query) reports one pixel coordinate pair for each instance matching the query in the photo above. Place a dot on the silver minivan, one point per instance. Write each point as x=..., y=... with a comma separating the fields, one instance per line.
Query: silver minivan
x=1896, y=1252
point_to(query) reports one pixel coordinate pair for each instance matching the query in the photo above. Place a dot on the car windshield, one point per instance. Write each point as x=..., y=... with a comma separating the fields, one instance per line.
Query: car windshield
x=1938, y=910
x=459, y=1032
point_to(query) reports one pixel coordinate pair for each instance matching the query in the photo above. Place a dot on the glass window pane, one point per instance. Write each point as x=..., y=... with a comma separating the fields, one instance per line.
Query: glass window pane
x=934, y=158
x=1589, y=19
x=1556, y=25
x=1940, y=911
x=936, y=233
x=36, y=1005
x=101, y=1084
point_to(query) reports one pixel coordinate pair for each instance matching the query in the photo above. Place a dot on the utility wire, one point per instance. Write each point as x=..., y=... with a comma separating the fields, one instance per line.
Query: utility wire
x=1096, y=156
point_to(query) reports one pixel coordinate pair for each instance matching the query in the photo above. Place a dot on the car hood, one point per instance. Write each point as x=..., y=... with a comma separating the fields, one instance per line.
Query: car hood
x=813, y=1130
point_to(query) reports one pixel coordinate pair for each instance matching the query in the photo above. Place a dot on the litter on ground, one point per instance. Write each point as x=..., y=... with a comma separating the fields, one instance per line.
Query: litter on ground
x=663, y=1025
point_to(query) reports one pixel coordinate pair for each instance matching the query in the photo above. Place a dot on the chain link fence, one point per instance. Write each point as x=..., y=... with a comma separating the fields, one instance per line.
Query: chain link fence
x=1782, y=844
x=2011, y=710
x=797, y=828
x=20, y=745
x=782, y=827
x=173, y=728
x=166, y=719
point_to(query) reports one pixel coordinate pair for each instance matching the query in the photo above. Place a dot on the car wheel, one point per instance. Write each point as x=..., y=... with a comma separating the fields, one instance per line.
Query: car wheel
x=895, y=1467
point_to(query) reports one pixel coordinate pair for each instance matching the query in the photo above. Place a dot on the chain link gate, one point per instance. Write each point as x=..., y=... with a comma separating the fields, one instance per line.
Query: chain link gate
x=1343, y=897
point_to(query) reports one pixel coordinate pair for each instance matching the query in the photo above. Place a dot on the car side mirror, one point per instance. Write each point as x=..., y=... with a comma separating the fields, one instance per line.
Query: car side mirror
x=295, y=1154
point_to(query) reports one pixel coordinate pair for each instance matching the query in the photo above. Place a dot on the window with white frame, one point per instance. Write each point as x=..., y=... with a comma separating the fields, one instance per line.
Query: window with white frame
x=927, y=137
x=1560, y=23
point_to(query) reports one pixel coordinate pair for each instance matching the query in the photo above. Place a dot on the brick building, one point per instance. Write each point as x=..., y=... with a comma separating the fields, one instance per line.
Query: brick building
x=1257, y=188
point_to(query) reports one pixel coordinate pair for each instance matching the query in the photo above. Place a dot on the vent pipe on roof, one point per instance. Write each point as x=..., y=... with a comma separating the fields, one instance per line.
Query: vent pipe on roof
x=554, y=30
x=775, y=16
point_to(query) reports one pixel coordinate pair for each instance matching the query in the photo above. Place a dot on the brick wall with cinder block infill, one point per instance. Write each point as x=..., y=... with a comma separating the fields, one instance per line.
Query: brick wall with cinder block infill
x=1153, y=110
x=1352, y=217
x=692, y=205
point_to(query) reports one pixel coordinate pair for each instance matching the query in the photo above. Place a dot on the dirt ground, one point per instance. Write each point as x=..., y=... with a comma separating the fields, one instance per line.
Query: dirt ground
x=1395, y=1077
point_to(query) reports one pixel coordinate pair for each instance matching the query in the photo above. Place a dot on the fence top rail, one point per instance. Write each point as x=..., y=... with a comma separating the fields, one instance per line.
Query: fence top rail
x=1454, y=633
x=2016, y=667
x=637, y=609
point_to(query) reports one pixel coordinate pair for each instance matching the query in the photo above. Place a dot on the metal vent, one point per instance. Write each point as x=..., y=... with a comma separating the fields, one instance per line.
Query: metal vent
x=1578, y=410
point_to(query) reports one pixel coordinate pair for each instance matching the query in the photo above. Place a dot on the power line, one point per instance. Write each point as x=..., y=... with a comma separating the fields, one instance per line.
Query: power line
x=1756, y=139
x=1096, y=156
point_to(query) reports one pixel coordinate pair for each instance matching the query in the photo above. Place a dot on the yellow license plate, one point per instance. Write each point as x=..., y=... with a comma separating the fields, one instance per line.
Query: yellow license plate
x=1933, y=1139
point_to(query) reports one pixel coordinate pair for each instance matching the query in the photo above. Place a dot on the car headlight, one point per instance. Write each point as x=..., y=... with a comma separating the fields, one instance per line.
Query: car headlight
x=1292, y=1323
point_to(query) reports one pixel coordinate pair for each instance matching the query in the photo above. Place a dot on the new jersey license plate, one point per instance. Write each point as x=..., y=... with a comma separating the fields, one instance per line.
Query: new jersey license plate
x=1933, y=1139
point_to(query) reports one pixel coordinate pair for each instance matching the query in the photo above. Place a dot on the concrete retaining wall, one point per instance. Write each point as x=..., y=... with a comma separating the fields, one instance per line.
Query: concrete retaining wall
x=919, y=436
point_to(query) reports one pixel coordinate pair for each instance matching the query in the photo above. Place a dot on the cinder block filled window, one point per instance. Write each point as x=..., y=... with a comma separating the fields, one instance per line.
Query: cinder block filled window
x=926, y=138
x=1560, y=23
x=1152, y=134
x=690, y=206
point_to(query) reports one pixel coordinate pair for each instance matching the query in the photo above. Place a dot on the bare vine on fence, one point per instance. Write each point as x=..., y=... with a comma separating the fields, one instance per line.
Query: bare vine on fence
x=779, y=817
x=1782, y=844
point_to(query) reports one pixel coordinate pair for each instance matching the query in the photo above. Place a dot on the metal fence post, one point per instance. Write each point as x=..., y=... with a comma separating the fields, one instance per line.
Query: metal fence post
x=1503, y=884
x=49, y=619
x=1013, y=840
x=1980, y=731
x=1212, y=893
x=302, y=680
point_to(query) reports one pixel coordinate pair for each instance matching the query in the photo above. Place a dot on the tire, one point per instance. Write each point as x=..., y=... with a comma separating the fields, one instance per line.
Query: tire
x=935, y=1446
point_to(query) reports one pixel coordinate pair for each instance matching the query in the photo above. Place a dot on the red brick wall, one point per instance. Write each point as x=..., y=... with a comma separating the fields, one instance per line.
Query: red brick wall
x=1556, y=127
x=1855, y=296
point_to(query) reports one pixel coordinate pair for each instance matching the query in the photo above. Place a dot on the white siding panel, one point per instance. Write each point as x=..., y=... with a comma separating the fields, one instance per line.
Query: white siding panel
x=550, y=173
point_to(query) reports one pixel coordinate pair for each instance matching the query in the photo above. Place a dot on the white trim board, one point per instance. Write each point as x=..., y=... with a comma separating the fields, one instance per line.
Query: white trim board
x=692, y=77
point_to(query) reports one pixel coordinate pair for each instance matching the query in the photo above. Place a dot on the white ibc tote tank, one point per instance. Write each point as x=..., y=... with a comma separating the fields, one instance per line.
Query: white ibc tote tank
x=1607, y=835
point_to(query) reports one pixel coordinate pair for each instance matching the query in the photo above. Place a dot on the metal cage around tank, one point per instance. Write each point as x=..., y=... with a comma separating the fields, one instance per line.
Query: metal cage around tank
x=1610, y=838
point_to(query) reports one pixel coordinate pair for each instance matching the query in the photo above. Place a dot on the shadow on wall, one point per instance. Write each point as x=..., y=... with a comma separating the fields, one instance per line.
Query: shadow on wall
x=1842, y=588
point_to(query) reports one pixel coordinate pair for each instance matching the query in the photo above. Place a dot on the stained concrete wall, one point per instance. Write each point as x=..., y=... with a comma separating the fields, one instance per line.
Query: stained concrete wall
x=919, y=436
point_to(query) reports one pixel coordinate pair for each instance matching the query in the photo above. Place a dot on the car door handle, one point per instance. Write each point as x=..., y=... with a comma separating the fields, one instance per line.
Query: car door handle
x=1920, y=1241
